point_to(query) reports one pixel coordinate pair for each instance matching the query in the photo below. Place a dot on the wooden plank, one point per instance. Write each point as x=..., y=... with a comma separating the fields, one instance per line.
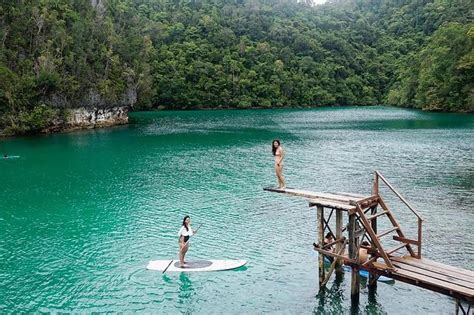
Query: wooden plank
x=354, y=255
x=434, y=284
x=320, y=217
x=332, y=254
x=405, y=240
x=339, y=270
x=330, y=204
x=334, y=263
x=309, y=194
x=393, y=250
x=435, y=275
x=387, y=232
x=358, y=196
x=365, y=201
x=436, y=267
x=370, y=217
x=373, y=277
x=371, y=260
x=457, y=269
x=340, y=240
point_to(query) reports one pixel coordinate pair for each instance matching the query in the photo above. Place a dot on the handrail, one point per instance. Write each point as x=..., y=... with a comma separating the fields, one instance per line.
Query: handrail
x=398, y=195
x=420, y=219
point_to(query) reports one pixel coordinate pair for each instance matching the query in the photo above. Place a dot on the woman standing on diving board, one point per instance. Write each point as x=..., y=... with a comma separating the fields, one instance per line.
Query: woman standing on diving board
x=185, y=232
x=277, y=151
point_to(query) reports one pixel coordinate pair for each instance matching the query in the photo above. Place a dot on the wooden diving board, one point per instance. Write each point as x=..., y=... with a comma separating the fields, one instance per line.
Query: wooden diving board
x=342, y=201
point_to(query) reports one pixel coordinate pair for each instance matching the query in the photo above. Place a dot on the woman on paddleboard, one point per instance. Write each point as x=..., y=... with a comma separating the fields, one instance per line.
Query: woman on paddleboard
x=277, y=151
x=185, y=232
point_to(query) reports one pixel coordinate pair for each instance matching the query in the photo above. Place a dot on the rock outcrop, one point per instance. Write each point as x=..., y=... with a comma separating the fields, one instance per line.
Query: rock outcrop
x=86, y=118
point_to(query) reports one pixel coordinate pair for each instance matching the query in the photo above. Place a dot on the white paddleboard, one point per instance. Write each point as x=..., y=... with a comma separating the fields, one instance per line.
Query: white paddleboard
x=195, y=265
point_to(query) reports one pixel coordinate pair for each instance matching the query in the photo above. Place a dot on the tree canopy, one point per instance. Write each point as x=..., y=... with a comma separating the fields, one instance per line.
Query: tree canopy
x=175, y=54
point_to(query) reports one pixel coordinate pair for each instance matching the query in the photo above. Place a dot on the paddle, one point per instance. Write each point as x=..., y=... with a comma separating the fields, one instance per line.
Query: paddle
x=181, y=249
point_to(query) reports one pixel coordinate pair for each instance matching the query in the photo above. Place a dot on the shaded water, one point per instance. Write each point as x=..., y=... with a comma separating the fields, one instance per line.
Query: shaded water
x=81, y=214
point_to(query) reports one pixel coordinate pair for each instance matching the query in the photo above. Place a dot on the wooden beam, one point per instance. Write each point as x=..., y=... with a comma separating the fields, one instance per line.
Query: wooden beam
x=393, y=250
x=405, y=240
x=330, y=204
x=388, y=231
x=320, y=218
x=371, y=217
x=353, y=255
x=339, y=261
x=342, y=239
x=333, y=265
x=373, y=223
x=375, y=188
x=346, y=259
x=365, y=202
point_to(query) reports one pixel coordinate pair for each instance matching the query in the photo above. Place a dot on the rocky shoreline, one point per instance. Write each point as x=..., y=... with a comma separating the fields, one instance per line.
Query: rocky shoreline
x=88, y=118
x=81, y=118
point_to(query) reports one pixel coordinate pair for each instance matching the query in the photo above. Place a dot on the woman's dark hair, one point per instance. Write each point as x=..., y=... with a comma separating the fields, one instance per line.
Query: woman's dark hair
x=328, y=235
x=184, y=222
x=273, y=147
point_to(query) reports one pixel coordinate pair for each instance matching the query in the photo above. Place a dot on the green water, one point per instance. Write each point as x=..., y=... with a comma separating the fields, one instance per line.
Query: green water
x=81, y=214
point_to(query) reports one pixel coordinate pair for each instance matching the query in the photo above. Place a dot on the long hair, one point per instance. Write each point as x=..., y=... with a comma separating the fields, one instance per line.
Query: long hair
x=184, y=222
x=273, y=147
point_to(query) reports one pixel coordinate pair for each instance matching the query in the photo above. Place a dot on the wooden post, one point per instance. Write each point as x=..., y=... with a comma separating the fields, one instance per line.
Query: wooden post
x=373, y=278
x=456, y=310
x=419, y=237
x=320, y=218
x=339, y=270
x=355, y=280
x=375, y=188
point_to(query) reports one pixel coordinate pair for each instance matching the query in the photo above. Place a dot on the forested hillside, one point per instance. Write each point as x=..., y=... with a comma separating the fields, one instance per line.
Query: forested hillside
x=147, y=54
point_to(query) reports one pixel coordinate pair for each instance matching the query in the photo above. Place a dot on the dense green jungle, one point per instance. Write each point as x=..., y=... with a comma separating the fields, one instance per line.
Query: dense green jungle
x=186, y=54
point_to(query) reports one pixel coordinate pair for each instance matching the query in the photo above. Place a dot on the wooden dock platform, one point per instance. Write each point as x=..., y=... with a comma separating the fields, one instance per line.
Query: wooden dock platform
x=402, y=263
x=455, y=282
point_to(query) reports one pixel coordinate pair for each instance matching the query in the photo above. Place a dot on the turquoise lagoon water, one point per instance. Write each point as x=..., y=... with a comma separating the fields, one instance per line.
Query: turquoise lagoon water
x=81, y=214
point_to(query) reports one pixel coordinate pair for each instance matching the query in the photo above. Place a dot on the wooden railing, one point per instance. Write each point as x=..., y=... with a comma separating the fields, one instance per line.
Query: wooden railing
x=378, y=176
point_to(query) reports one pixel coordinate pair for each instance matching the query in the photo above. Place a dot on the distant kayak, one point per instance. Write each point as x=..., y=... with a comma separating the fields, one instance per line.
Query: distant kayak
x=10, y=157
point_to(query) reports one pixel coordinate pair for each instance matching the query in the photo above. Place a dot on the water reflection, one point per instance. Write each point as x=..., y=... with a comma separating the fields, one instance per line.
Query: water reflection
x=186, y=291
x=330, y=299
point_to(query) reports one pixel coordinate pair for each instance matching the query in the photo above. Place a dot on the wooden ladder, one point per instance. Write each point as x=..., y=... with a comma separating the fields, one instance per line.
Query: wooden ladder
x=375, y=237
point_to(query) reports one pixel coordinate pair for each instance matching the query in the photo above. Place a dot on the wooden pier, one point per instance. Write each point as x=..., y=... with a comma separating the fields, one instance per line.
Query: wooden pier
x=402, y=262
